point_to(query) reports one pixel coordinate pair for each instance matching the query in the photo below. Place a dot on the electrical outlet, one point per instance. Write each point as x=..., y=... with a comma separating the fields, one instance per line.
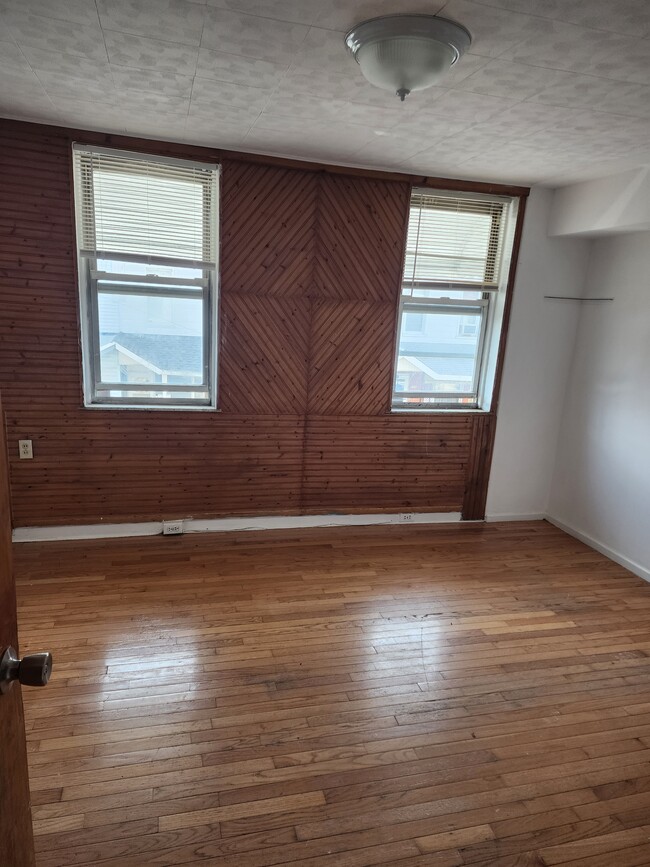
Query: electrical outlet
x=25, y=450
x=405, y=517
x=172, y=528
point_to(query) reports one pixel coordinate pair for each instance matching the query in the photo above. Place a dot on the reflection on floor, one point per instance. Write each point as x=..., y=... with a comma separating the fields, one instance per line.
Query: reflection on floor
x=447, y=695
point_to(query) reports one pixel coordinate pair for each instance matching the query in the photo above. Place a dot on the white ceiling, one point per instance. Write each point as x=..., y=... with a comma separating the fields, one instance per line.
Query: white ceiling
x=551, y=90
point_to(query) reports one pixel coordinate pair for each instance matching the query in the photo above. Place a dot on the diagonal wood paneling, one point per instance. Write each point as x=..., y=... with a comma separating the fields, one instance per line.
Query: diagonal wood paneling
x=268, y=229
x=360, y=239
x=263, y=358
x=390, y=464
x=351, y=357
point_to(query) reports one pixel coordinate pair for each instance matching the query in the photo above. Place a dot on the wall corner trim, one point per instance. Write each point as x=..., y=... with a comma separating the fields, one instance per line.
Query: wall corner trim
x=621, y=559
x=225, y=525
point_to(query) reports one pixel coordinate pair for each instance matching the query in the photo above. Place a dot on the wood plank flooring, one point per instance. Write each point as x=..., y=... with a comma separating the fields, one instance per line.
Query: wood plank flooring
x=473, y=695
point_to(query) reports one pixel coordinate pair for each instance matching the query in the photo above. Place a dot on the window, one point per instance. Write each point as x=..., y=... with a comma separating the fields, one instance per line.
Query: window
x=147, y=246
x=457, y=251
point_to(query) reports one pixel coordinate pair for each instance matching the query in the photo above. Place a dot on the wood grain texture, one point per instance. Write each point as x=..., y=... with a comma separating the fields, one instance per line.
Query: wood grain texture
x=419, y=464
x=268, y=231
x=310, y=269
x=468, y=695
x=16, y=838
x=351, y=359
x=478, y=467
x=360, y=238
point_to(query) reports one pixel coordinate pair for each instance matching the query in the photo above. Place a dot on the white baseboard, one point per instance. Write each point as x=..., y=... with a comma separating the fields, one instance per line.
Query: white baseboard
x=515, y=516
x=616, y=556
x=225, y=525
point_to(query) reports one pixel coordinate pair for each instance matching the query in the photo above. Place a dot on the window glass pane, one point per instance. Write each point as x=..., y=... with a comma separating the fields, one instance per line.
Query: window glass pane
x=156, y=394
x=140, y=269
x=150, y=339
x=441, y=358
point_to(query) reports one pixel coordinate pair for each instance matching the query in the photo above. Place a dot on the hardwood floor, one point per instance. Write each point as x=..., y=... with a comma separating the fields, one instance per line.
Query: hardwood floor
x=339, y=698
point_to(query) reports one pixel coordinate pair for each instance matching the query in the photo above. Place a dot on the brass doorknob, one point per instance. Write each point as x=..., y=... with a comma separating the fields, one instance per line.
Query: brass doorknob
x=32, y=670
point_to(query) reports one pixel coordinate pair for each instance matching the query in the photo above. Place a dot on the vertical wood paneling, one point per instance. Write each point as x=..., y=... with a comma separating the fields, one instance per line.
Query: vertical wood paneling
x=310, y=271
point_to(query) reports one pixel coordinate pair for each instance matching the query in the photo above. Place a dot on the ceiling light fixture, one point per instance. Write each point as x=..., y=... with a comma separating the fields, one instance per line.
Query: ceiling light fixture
x=404, y=53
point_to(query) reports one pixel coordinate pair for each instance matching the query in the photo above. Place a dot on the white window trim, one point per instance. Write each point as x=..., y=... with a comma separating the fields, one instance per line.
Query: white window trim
x=493, y=300
x=207, y=287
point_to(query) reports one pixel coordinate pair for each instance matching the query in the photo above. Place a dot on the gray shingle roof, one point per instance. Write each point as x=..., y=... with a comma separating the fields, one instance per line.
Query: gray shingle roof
x=169, y=352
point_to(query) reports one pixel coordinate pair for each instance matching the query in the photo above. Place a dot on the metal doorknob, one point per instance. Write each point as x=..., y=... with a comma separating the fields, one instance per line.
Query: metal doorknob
x=32, y=670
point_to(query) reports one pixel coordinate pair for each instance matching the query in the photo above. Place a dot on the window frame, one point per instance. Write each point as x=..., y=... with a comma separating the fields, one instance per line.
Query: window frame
x=205, y=288
x=492, y=295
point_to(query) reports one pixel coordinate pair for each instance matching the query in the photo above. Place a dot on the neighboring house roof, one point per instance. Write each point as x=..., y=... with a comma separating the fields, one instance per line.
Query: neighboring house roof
x=170, y=353
x=443, y=368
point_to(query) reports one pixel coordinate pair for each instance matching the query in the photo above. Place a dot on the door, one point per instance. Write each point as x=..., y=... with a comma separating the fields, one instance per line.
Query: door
x=16, y=840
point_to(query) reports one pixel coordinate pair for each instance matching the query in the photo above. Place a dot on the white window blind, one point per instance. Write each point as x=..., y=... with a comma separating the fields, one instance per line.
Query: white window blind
x=453, y=239
x=136, y=205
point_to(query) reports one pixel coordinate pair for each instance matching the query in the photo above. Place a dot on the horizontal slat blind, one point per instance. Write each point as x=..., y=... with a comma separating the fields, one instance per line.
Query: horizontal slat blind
x=453, y=239
x=128, y=204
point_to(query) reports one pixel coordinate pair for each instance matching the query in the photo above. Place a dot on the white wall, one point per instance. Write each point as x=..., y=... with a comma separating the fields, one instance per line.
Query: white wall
x=604, y=206
x=538, y=358
x=601, y=486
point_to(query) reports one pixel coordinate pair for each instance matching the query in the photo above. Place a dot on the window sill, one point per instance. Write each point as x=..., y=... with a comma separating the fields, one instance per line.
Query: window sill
x=438, y=410
x=148, y=408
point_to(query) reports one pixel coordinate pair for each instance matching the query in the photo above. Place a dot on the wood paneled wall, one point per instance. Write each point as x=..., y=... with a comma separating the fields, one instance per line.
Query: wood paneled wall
x=310, y=272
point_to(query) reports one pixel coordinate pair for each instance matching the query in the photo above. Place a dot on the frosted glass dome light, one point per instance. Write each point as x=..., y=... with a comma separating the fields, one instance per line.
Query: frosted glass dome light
x=404, y=53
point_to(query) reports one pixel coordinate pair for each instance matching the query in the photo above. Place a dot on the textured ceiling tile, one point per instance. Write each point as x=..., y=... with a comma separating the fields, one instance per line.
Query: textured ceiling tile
x=599, y=94
x=456, y=105
x=78, y=40
x=312, y=108
x=59, y=63
x=325, y=50
x=207, y=92
x=349, y=85
x=493, y=30
x=630, y=17
x=577, y=49
x=170, y=20
x=297, y=11
x=207, y=112
x=142, y=53
x=221, y=66
x=462, y=69
x=36, y=106
x=323, y=145
x=250, y=35
x=510, y=80
x=525, y=119
x=12, y=61
x=629, y=61
x=344, y=14
x=79, y=11
x=220, y=134
x=147, y=81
